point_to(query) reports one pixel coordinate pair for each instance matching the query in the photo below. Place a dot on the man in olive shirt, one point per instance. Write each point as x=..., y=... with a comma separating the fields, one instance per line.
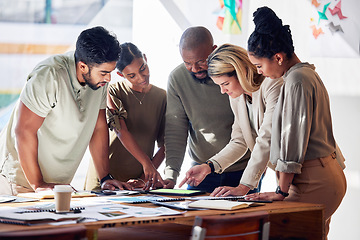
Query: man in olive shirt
x=197, y=114
x=61, y=111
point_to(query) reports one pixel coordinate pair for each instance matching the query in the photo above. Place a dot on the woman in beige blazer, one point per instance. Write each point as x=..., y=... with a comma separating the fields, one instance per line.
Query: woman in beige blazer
x=252, y=99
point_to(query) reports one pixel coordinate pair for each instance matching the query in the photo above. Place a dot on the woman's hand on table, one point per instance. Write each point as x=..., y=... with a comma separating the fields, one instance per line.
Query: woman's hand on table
x=195, y=175
x=270, y=196
x=224, y=191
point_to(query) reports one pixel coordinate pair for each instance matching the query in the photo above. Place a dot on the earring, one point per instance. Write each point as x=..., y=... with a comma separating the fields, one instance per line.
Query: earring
x=280, y=63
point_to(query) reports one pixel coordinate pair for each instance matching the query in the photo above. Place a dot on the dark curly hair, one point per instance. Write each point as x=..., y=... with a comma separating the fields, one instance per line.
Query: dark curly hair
x=270, y=35
x=128, y=53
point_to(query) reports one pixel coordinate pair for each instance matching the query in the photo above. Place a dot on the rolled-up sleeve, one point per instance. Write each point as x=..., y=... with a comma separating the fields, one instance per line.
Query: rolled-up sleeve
x=114, y=115
x=41, y=90
x=291, y=128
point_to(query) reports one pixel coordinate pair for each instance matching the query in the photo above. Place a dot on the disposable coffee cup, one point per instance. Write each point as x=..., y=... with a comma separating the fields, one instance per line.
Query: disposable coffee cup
x=62, y=195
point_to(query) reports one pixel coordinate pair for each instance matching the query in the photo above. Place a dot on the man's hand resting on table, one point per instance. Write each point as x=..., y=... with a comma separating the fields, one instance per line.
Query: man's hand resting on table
x=112, y=184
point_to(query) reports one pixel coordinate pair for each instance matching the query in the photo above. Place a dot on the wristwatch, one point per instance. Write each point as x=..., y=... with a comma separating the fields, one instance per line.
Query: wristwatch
x=107, y=177
x=278, y=191
x=211, y=165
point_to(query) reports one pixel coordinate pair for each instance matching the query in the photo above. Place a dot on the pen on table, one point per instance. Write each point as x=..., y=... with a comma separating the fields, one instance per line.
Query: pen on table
x=79, y=220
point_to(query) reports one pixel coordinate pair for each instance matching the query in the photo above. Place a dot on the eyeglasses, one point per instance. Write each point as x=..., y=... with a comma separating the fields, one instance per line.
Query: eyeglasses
x=200, y=63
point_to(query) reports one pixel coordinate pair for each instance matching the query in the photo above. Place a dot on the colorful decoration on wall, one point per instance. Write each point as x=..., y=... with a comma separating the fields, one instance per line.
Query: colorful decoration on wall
x=335, y=28
x=316, y=31
x=229, y=16
x=324, y=16
x=315, y=3
x=337, y=10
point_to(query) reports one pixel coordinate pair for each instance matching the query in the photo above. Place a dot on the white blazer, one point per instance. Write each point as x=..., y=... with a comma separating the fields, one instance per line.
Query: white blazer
x=244, y=137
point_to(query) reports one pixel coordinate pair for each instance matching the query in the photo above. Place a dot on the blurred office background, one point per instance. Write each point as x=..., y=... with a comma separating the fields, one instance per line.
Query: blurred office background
x=31, y=30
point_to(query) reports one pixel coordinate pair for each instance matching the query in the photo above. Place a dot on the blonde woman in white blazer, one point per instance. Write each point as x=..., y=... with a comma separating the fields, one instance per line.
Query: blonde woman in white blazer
x=253, y=99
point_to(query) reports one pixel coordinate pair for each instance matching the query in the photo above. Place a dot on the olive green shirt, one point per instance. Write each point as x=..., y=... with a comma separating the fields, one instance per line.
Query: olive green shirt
x=146, y=123
x=53, y=92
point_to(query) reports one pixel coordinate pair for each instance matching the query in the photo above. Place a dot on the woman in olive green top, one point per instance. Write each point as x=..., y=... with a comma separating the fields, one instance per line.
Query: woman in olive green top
x=136, y=118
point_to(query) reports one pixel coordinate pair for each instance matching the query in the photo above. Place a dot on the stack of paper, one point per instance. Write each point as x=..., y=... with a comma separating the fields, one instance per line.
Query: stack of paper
x=44, y=213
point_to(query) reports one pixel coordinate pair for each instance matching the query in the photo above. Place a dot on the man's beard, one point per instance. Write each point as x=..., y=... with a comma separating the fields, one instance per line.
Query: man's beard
x=201, y=80
x=87, y=78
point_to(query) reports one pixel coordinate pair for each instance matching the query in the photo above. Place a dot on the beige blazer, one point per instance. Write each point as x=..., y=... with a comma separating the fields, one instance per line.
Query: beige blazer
x=244, y=137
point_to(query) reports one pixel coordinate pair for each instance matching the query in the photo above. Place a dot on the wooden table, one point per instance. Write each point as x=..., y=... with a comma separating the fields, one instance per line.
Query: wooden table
x=287, y=220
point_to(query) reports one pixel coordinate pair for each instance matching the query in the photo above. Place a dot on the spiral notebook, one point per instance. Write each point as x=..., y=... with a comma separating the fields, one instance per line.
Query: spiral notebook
x=36, y=210
x=32, y=217
x=35, y=221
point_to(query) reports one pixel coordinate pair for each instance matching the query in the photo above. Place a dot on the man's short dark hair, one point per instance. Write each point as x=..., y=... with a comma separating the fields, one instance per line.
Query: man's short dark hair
x=96, y=46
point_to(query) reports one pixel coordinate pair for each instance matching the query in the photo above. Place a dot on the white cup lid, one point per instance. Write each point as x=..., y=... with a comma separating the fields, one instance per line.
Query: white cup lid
x=63, y=188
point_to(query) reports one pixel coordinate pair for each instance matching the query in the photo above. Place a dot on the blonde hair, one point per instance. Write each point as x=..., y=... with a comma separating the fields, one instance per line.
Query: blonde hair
x=229, y=59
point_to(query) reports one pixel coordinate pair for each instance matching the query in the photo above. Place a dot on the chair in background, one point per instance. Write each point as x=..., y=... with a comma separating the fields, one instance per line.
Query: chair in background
x=61, y=233
x=247, y=226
